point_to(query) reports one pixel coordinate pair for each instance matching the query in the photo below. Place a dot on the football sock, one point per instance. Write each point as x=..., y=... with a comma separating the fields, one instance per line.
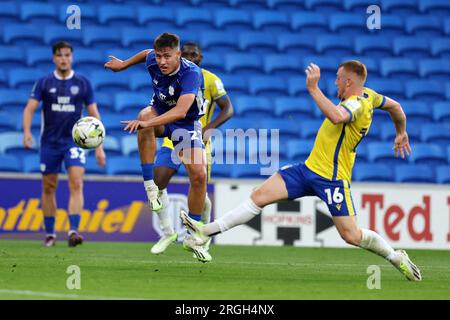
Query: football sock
x=49, y=223
x=373, y=242
x=74, y=220
x=165, y=223
x=147, y=172
x=196, y=217
x=239, y=215
x=206, y=214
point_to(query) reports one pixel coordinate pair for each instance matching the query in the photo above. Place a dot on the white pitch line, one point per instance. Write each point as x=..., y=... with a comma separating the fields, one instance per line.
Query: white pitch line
x=60, y=295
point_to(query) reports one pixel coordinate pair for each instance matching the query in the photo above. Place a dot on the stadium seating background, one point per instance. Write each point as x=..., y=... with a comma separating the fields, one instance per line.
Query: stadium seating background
x=259, y=48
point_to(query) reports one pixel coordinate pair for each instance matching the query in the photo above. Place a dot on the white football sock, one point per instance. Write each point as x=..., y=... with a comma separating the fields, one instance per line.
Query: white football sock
x=149, y=184
x=373, y=242
x=240, y=215
x=165, y=222
x=206, y=214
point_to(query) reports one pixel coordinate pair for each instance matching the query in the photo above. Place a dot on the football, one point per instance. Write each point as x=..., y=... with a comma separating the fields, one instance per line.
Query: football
x=88, y=133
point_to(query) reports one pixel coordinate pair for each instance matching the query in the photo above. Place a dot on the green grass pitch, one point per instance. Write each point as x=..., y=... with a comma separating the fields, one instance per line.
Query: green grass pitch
x=130, y=271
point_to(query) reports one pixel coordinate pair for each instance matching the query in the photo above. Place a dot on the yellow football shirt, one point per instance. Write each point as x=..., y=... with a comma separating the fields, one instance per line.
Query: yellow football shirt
x=334, y=151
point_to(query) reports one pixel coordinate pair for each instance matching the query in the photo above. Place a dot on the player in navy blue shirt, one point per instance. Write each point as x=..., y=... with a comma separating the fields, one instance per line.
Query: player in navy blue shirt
x=64, y=95
x=176, y=106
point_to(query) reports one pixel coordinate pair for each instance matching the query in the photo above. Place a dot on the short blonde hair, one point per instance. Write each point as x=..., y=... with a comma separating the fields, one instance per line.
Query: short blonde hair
x=357, y=67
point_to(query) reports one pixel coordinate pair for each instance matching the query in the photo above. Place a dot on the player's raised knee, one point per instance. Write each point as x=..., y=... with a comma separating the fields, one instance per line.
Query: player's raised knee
x=145, y=114
x=198, y=177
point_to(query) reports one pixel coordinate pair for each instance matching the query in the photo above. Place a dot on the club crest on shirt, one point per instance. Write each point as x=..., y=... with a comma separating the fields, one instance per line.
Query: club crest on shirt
x=171, y=90
x=52, y=90
x=74, y=90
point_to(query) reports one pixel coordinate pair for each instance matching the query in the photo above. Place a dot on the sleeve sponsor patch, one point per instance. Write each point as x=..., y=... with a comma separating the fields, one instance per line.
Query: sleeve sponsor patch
x=352, y=105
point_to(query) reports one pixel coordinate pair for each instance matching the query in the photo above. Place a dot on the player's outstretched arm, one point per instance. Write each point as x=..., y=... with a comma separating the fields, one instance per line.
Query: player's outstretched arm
x=27, y=119
x=401, y=144
x=176, y=113
x=117, y=65
x=100, y=155
x=336, y=114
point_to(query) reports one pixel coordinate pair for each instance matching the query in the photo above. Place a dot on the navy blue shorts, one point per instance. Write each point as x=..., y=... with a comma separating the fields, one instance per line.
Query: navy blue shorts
x=186, y=133
x=164, y=159
x=301, y=181
x=53, y=157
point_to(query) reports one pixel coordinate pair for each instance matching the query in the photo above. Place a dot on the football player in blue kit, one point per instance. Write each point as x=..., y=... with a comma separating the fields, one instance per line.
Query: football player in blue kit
x=64, y=94
x=174, y=112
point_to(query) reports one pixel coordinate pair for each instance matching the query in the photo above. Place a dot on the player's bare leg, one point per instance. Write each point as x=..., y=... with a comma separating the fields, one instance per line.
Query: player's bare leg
x=76, y=203
x=162, y=176
x=49, y=185
x=372, y=241
x=270, y=191
x=147, y=150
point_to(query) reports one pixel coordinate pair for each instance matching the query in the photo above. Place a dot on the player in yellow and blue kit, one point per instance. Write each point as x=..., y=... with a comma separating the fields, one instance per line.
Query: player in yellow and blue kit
x=327, y=171
x=165, y=167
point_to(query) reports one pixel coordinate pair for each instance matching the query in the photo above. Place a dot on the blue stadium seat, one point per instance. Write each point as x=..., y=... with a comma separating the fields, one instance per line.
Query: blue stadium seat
x=285, y=5
x=425, y=89
x=235, y=84
x=375, y=46
x=435, y=69
x=88, y=14
x=418, y=173
x=424, y=26
x=254, y=106
x=404, y=7
x=91, y=166
x=35, y=124
x=412, y=47
x=427, y=153
x=22, y=34
x=267, y=86
x=9, y=13
x=381, y=152
x=283, y=65
x=129, y=146
x=24, y=78
x=10, y=163
x=218, y=41
x=40, y=58
x=417, y=112
x=221, y=170
x=249, y=4
x=233, y=20
x=104, y=102
x=240, y=123
x=213, y=4
x=271, y=21
x=117, y=15
x=108, y=82
x=257, y=42
x=297, y=86
x=324, y=5
x=436, y=133
x=447, y=90
x=371, y=64
x=361, y=152
x=213, y=61
x=288, y=128
x=250, y=171
x=309, y=128
x=87, y=60
x=401, y=68
x=441, y=111
x=309, y=22
x=31, y=163
x=194, y=18
x=391, y=25
x=348, y=23
x=131, y=102
x=12, y=143
x=12, y=57
x=243, y=63
x=112, y=146
x=373, y=172
x=7, y=122
x=53, y=34
x=443, y=174
x=123, y=166
x=334, y=45
x=435, y=7
x=328, y=64
x=156, y=17
x=294, y=43
x=447, y=26
x=299, y=149
x=42, y=13
x=294, y=108
x=440, y=47
x=394, y=89
x=138, y=38
x=359, y=5
x=140, y=81
x=13, y=100
x=3, y=79
x=100, y=37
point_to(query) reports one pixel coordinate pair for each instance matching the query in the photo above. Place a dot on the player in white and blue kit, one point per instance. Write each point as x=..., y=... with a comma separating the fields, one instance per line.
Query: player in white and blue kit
x=174, y=112
x=64, y=95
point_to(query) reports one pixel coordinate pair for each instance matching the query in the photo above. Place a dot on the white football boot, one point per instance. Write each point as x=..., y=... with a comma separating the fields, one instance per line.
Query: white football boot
x=405, y=266
x=163, y=243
